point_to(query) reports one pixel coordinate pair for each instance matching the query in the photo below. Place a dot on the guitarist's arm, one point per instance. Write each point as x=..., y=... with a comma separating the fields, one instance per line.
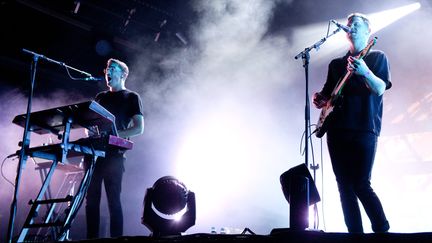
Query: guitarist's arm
x=359, y=67
x=320, y=99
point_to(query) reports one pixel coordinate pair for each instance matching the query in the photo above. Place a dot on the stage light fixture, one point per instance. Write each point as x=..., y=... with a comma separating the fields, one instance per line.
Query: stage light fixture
x=169, y=207
x=300, y=191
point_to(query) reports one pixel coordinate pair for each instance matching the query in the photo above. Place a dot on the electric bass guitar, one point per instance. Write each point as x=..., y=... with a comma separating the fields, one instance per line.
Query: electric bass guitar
x=328, y=110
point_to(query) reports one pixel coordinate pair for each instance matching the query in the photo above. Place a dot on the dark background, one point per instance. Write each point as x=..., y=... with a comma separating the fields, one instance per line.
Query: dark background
x=83, y=35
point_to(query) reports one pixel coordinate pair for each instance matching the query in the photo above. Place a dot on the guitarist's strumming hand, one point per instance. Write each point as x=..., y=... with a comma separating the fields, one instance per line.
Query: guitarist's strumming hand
x=319, y=100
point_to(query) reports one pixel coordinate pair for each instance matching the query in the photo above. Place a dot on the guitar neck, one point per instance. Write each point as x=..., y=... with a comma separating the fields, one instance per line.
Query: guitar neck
x=338, y=89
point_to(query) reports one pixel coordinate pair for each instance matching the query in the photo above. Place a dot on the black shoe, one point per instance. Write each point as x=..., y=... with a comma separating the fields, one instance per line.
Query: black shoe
x=383, y=228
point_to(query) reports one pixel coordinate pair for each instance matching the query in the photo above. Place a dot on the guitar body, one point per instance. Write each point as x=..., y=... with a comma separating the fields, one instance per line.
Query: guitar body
x=327, y=112
x=326, y=115
x=323, y=122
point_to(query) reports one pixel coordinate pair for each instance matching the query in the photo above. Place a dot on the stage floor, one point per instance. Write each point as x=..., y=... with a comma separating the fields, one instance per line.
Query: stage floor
x=278, y=235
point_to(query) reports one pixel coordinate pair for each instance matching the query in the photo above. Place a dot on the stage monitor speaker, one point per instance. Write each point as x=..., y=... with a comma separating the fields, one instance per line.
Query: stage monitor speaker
x=286, y=179
x=300, y=191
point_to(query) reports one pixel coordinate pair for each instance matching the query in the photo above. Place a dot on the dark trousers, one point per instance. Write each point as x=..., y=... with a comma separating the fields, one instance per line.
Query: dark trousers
x=108, y=171
x=352, y=155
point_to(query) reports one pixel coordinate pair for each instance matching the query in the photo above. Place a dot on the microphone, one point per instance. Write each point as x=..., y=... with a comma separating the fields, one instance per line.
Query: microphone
x=13, y=155
x=344, y=27
x=91, y=78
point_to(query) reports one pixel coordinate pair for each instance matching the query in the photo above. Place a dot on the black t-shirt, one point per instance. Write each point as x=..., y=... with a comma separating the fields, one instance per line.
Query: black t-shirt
x=123, y=104
x=359, y=109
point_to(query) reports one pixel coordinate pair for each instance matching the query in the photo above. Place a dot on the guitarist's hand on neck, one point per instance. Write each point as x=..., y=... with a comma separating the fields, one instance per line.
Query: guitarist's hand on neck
x=358, y=38
x=359, y=67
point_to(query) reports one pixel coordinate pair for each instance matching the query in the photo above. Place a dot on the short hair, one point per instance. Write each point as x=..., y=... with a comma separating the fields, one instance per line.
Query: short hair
x=122, y=65
x=359, y=15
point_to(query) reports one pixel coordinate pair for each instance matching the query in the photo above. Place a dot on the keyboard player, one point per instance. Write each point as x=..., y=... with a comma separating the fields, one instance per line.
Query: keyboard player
x=126, y=106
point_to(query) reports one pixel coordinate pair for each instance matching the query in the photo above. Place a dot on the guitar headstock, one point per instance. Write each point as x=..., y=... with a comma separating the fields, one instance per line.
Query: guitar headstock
x=366, y=50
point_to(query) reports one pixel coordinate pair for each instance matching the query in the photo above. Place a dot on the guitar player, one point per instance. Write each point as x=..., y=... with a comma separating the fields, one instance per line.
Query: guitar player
x=356, y=123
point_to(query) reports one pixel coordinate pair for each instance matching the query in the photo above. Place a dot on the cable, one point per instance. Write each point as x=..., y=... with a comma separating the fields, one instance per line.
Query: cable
x=328, y=29
x=247, y=230
x=322, y=184
x=314, y=167
x=301, y=143
x=1, y=169
x=70, y=75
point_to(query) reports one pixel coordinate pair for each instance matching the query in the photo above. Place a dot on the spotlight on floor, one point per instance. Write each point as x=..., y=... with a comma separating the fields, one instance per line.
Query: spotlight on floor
x=300, y=191
x=169, y=207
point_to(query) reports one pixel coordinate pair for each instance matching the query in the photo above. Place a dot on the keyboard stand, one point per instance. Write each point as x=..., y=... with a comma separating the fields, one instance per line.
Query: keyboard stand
x=72, y=176
x=56, y=222
x=56, y=226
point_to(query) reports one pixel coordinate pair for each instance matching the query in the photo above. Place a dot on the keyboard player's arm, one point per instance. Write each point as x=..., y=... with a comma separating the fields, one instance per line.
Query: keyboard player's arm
x=136, y=128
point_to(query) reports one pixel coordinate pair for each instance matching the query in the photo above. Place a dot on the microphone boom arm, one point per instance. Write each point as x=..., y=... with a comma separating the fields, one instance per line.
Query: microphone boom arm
x=89, y=76
x=316, y=45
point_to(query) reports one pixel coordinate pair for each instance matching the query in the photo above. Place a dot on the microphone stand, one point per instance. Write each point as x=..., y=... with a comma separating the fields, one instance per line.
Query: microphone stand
x=306, y=58
x=25, y=143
